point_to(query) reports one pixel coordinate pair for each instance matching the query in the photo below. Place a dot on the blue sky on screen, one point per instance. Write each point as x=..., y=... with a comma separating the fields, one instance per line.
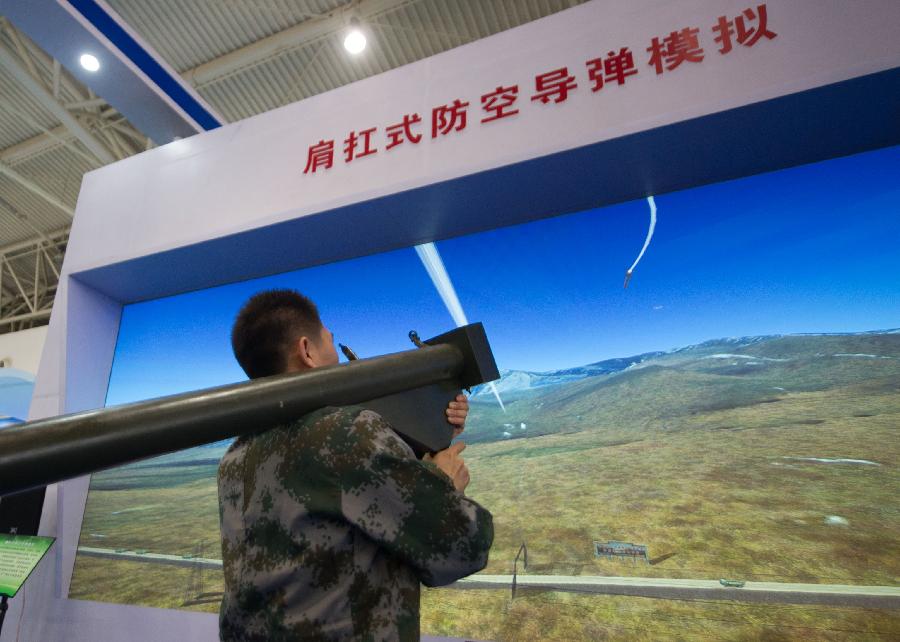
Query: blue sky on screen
x=810, y=249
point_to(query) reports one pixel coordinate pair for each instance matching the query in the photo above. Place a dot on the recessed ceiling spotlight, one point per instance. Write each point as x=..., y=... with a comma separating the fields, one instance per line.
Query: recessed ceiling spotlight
x=90, y=62
x=355, y=40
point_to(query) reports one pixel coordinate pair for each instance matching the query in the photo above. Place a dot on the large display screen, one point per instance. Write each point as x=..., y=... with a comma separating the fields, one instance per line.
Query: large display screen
x=729, y=415
x=16, y=388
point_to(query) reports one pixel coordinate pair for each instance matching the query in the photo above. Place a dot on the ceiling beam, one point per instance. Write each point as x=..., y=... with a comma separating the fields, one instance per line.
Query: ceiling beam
x=30, y=316
x=58, y=80
x=291, y=38
x=46, y=254
x=34, y=87
x=33, y=187
x=56, y=237
x=8, y=107
x=12, y=273
x=36, y=145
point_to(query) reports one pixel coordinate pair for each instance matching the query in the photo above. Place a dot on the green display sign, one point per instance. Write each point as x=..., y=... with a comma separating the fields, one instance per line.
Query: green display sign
x=19, y=554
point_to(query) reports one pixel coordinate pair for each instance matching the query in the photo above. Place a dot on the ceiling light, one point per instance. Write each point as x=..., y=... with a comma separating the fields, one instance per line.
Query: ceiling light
x=90, y=62
x=355, y=40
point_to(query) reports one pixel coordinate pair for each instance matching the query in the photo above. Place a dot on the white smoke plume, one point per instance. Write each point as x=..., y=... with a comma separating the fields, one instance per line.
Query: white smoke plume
x=630, y=270
x=434, y=265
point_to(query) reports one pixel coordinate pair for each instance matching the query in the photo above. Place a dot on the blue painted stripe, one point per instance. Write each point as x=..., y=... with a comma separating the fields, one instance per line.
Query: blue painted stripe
x=144, y=61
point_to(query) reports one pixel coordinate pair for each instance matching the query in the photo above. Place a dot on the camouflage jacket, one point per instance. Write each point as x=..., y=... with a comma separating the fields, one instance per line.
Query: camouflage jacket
x=328, y=526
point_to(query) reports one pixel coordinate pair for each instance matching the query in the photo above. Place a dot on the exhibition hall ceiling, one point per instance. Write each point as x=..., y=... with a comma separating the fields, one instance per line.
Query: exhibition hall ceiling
x=244, y=57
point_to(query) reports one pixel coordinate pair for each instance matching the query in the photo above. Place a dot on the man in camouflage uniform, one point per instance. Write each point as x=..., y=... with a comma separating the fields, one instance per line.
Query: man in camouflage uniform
x=330, y=523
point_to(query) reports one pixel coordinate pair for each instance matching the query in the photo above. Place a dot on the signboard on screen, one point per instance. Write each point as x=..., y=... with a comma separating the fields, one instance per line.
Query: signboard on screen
x=614, y=549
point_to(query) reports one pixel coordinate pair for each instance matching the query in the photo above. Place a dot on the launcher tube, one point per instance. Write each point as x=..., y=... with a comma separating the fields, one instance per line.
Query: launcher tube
x=46, y=451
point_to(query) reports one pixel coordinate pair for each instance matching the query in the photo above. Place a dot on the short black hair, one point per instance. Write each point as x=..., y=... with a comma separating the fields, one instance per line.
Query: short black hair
x=267, y=325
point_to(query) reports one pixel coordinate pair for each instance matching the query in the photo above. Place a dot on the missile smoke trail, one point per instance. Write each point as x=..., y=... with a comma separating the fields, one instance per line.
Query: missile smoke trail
x=630, y=270
x=434, y=265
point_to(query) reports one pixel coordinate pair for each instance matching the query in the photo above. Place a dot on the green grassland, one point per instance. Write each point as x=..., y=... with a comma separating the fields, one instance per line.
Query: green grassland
x=690, y=453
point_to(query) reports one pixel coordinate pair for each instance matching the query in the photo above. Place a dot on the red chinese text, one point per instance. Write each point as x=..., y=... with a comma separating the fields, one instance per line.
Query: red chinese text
x=676, y=48
x=727, y=29
x=666, y=54
x=497, y=103
x=447, y=118
x=354, y=140
x=320, y=155
x=403, y=131
x=616, y=67
x=554, y=85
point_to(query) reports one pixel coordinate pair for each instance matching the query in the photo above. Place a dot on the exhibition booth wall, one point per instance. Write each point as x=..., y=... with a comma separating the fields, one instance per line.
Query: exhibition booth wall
x=269, y=194
x=755, y=349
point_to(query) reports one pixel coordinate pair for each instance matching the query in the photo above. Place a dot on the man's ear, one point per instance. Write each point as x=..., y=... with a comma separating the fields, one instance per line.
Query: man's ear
x=303, y=352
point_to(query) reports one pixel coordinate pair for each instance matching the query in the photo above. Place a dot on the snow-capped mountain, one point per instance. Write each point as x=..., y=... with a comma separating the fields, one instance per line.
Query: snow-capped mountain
x=521, y=380
x=515, y=381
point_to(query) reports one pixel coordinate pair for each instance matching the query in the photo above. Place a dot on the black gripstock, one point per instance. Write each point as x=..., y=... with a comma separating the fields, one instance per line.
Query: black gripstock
x=402, y=386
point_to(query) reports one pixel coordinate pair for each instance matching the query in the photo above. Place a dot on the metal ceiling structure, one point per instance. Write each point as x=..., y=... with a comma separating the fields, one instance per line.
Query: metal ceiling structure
x=244, y=57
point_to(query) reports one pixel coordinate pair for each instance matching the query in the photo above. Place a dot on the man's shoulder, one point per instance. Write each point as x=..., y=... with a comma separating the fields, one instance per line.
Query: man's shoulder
x=333, y=418
x=324, y=440
x=343, y=429
x=323, y=420
x=344, y=426
x=340, y=436
x=350, y=434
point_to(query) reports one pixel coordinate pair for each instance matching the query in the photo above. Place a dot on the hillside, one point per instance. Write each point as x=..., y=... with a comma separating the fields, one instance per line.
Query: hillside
x=654, y=391
x=758, y=458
